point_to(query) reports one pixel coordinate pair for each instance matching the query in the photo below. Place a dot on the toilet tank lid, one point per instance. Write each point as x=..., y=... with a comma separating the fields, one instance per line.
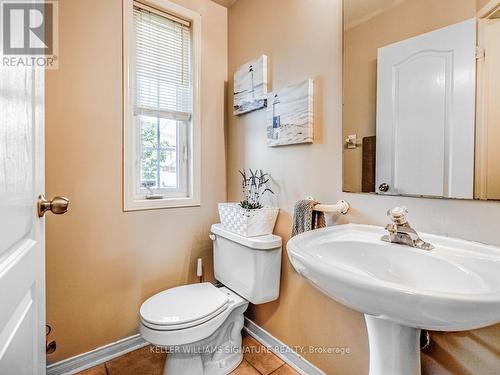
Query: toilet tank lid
x=266, y=242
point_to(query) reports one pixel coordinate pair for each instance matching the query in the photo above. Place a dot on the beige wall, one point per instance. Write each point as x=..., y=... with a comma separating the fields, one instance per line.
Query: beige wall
x=103, y=263
x=303, y=39
x=407, y=19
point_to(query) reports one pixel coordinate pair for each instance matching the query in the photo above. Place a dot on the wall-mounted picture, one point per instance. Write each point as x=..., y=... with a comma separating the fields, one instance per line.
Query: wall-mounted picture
x=290, y=115
x=250, y=86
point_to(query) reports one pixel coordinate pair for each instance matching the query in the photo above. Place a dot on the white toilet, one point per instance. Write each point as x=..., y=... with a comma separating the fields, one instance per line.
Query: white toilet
x=200, y=324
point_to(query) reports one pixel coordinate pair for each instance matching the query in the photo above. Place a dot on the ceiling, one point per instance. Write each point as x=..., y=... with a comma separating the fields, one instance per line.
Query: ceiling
x=358, y=11
x=225, y=3
x=355, y=11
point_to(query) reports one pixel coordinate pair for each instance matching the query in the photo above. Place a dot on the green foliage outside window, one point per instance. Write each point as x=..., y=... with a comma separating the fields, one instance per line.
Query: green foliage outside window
x=150, y=154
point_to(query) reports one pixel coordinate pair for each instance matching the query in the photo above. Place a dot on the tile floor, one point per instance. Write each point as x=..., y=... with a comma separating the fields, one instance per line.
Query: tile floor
x=256, y=361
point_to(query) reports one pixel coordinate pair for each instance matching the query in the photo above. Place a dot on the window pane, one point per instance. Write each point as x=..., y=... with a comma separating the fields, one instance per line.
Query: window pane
x=149, y=151
x=149, y=131
x=149, y=168
x=168, y=133
x=168, y=176
x=159, y=156
x=168, y=154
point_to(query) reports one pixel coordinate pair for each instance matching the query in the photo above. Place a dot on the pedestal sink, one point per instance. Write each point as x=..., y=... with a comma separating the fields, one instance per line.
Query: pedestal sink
x=401, y=289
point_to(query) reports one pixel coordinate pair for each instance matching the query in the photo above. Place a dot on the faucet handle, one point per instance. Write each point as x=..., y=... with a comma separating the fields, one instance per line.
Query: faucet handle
x=398, y=215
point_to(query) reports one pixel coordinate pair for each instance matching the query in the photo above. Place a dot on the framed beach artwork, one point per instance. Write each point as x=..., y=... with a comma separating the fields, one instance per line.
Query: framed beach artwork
x=250, y=86
x=290, y=115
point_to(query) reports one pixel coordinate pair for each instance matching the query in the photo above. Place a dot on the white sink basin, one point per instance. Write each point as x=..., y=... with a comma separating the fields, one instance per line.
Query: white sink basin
x=401, y=289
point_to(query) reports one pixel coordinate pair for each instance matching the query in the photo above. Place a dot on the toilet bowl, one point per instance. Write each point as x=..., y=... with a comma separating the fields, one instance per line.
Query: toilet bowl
x=199, y=325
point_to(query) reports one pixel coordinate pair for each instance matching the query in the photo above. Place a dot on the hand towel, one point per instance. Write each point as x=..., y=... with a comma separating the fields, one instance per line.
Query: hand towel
x=305, y=218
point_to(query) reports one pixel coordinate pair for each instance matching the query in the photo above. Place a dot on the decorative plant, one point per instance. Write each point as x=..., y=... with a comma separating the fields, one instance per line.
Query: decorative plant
x=255, y=185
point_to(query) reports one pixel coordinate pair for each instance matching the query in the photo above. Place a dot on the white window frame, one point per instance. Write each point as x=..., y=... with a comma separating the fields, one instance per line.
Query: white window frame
x=133, y=201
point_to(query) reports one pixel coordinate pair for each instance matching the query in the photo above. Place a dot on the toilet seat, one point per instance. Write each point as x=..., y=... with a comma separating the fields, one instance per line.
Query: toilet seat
x=163, y=336
x=183, y=307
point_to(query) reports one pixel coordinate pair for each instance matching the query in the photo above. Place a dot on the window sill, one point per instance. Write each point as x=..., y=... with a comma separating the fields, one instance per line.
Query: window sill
x=155, y=204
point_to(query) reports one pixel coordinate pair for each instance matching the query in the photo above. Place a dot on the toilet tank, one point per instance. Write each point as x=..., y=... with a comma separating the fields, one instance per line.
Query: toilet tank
x=249, y=266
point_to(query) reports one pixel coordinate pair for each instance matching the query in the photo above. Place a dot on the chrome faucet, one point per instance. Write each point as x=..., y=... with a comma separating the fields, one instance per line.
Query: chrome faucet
x=401, y=232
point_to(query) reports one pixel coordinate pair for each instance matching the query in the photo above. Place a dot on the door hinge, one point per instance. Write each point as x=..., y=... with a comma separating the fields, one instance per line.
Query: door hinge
x=480, y=53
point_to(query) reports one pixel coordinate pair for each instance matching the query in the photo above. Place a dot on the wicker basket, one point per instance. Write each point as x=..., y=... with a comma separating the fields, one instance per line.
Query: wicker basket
x=248, y=223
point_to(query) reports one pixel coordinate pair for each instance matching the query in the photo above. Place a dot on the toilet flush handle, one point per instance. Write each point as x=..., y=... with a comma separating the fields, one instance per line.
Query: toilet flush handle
x=212, y=236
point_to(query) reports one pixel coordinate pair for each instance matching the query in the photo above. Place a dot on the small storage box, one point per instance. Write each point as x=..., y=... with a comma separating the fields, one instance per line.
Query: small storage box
x=248, y=223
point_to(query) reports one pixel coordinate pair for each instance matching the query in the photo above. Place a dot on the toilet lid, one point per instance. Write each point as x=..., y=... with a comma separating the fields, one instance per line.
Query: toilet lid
x=183, y=304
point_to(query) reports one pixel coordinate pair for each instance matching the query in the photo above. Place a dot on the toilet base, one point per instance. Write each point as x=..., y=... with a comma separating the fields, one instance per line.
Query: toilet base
x=193, y=364
x=218, y=354
x=210, y=348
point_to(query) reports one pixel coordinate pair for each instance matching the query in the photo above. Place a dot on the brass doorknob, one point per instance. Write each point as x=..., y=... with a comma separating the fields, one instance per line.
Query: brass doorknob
x=58, y=205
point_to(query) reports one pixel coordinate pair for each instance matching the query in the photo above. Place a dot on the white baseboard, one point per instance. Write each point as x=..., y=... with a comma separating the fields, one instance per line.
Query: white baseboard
x=105, y=353
x=97, y=356
x=293, y=359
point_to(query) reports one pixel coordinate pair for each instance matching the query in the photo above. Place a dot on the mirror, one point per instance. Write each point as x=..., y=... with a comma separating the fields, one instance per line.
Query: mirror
x=421, y=98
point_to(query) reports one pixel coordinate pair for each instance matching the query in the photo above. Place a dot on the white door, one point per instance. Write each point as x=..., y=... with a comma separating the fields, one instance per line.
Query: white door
x=22, y=248
x=425, y=113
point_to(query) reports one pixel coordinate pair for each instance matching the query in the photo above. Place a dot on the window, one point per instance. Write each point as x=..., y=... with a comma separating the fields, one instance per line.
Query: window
x=161, y=157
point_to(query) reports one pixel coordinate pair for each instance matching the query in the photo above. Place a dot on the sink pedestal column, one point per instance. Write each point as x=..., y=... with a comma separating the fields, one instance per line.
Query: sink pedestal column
x=394, y=349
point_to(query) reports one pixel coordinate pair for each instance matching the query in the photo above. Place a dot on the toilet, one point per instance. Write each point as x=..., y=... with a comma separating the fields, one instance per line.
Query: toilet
x=199, y=325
